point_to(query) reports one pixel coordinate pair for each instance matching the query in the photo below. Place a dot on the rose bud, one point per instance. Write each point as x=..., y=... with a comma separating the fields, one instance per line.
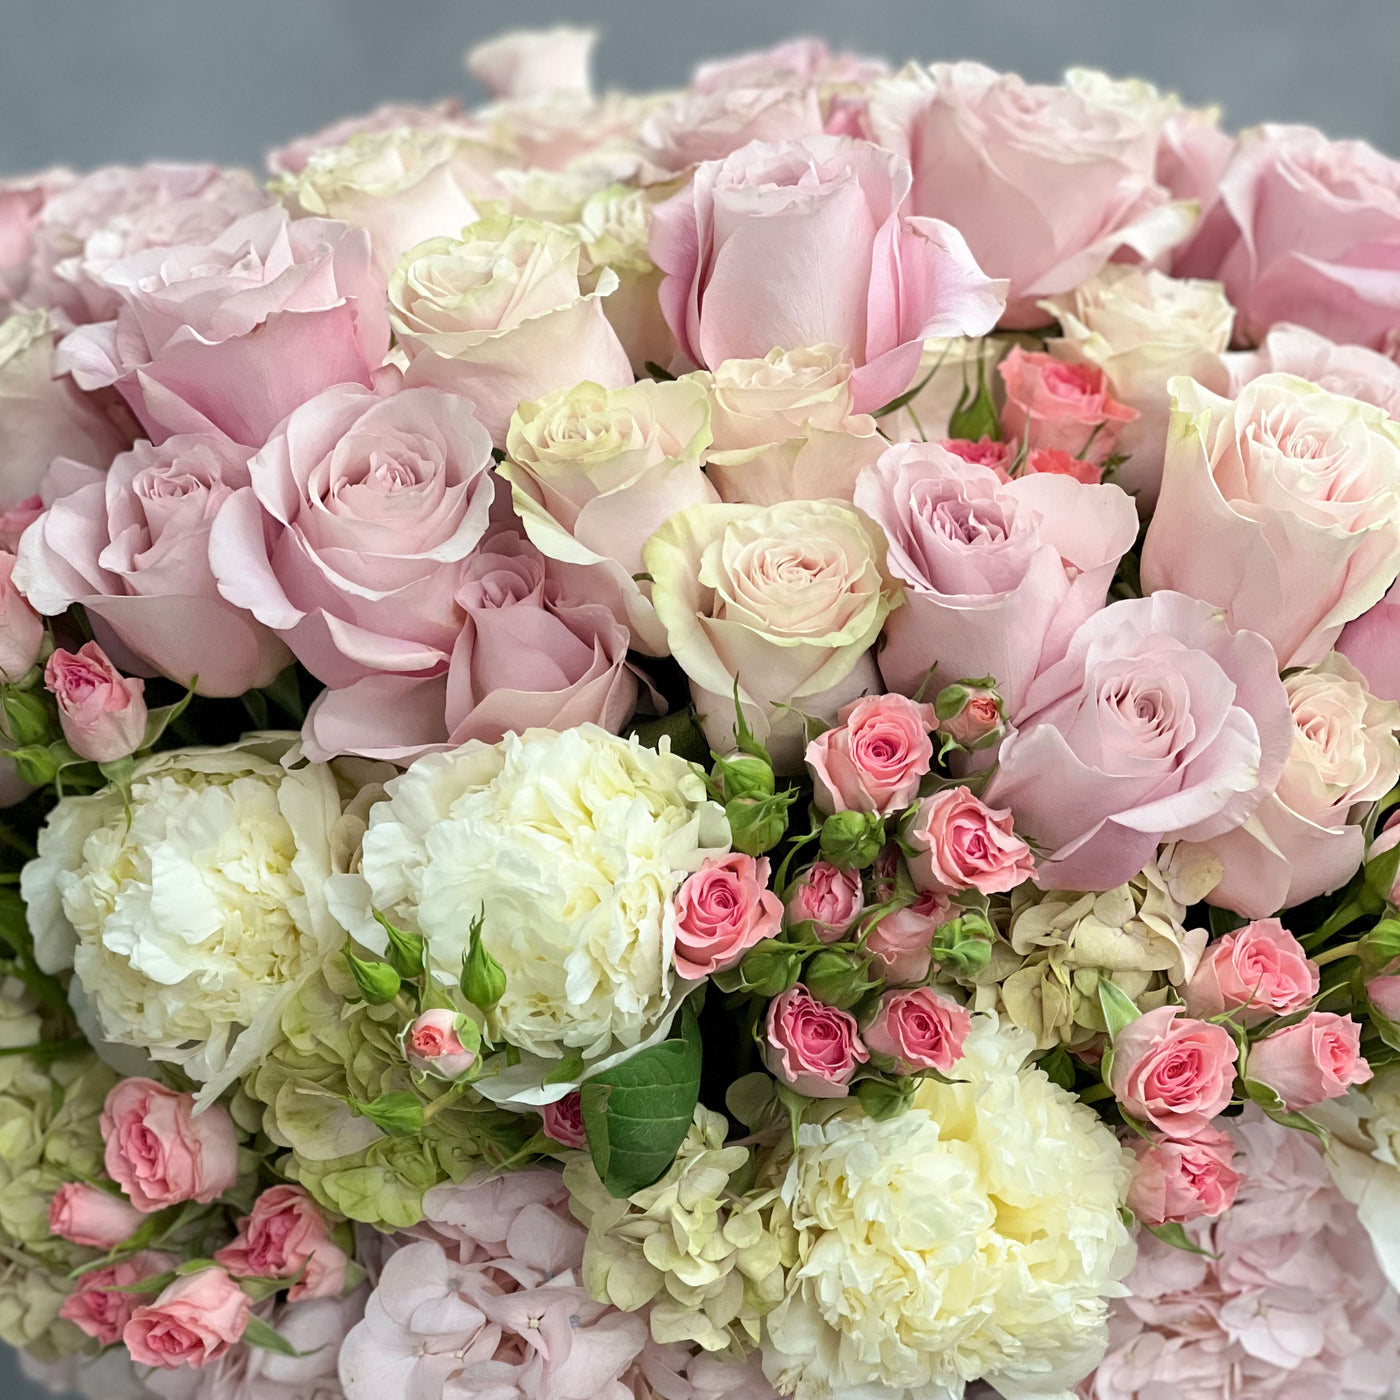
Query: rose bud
x=87, y=1215
x=828, y=898
x=1257, y=971
x=918, y=1029
x=1384, y=844
x=563, y=1120
x=874, y=757
x=962, y=844
x=103, y=713
x=969, y=713
x=1384, y=994
x=901, y=941
x=1187, y=1179
x=722, y=911
x=988, y=452
x=1172, y=1071
x=21, y=628
x=1055, y=461
x=963, y=945
x=771, y=967
x=98, y=1307
x=852, y=840
x=811, y=1047
x=442, y=1043
x=757, y=824
x=838, y=977
x=286, y=1236
x=744, y=775
x=195, y=1321
x=1318, y=1058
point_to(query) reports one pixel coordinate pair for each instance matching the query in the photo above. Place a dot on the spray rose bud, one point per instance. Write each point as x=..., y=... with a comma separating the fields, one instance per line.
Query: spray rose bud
x=1384, y=995
x=757, y=824
x=828, y=898
x=963, y=945
x=1317, y=1058
x=838, y=977
x=483, y=978
x=1177, y=1180
x=852, y=839
x=563, y=1120
x=811, y=1047
x=406, y=948
x=743, y=775
x=1379, y=949
x=918, y=1029
x=87, y=1215
x=103, y=713
x=26, y=718
x=770, y=968
x=377, y=982
x=970, y=714
x=443, y=1044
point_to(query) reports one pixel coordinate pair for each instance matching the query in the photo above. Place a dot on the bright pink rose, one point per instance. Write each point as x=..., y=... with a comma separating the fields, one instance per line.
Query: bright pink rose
x=1060, y=463
x=432, y=1044
x=1046, y=183
x=21, y=628
x=131, y=546
x=230, y=335
x=722, y=911
x=811, y=1047
x=353, y=538
x=985, y=452
x=103, y=713
x=1384, y=994
x=918, y=1029
x=743, y=242
x=526, y=63
x=828, y=897
x=997, y=574
x=963, y=844
x=286, y=1236
x=1060, y=407
x=1159, y=724
x=160, y=1152
x=1372, y=644
x=1183, y=1179
x=1259, y=970
x=87, y=1215
x=195, y=1321
x=1317, y=1058
x=562, y=1120
x=1174, y=1072
x=900, y=942
x=97, y=1308
x=873, y=758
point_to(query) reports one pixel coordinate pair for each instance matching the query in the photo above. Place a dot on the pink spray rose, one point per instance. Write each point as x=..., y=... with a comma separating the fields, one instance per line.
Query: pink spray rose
x=1175, y=1072
x=978, y=720
x=873, y=758
x=87, y=1215
x=1060, y=407
x=562, y=1120
x=1371, y=643
x=1260, y=970
x=963, y=844
x=811, y=1047
x=985, y=452
x=1159, y=724
x=103, y=713
x=21, y=628
x=1317, y=1058
x=722, y=911
x=918, y=1029
x=97, y=1308
x=286, y=1236
x=901, y=941
x=195, y=1321
x=432, y=1044
x=1059, y=463
x=1183, y=1179
x=160, y=1152
x=828, y=897
x=742, y=241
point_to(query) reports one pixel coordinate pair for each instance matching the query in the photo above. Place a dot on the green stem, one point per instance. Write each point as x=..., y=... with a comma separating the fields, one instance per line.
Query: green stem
x=438, y=1104
x=1342, y=950
x=1352, y=910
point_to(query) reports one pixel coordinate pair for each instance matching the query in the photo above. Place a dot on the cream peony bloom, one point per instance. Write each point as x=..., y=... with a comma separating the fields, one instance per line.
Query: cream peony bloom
x=976, y=1236
x=191, y=918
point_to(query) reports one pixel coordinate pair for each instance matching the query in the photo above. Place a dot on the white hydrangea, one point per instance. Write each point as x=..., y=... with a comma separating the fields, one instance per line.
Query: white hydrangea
x=977, y=1235
x=191, y=917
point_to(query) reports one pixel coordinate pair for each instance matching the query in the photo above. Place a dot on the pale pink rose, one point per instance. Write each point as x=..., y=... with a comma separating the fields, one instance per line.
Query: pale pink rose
x=291, y=159
x=232, y=334
x=1060, y=463
x=1258, y=971
x=195, y=1321
x=16, y=519
x=1057, y=406
x=1371, y=643
x=160, y=1152
x=737, y=245
x=1386, y=840
x=1350, y=370
x=353, y=537
x=1046, y=183
x=1283, y=508
x=828, y=898
x=1183, y=1179
x=963, y=844
x=1159, y=724
x=21, y=628
x=811, y=1047
x=22, y=201
x=528, y=656
x=1307, y=230
x=285, y=1237
x=103, y=713
x=900, y=942
x=997, y=574
x=525, y=63
x=999, y=457
x=1192, y=155
x=977, y=721
x=792, y=63
x=432, y=1044
x=562, y=1120
x=97, y=1308
x=1384, y=994
x=918, y=1029
x=874, y=757
x=722, y=911
x=87, y=1215
x=1317, y=1058
x=1174, y=1072
x=698, y=126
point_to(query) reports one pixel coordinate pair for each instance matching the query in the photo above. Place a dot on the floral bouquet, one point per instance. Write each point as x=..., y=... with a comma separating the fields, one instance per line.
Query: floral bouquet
x=706, y=745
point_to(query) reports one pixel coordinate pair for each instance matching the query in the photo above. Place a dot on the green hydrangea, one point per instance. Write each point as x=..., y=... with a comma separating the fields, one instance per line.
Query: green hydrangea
x=30, y=1297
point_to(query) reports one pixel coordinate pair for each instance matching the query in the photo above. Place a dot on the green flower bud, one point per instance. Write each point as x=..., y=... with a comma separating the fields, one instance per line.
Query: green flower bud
x=769, y=968
x=1379, y=948
x=38, y=764
x=964, y=945
x=743, y=775
x=27, y=718
x=852, y=840
x=838, y=977
x=378, y=983
x=883, y=1098
x=757, y=824
x=398, y=1113
x=483, y=978
x=407, y=950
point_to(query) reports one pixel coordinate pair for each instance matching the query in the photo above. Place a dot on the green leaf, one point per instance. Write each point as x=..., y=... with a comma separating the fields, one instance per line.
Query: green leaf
x=195, y=1266
x=687, y=739
x=285, y=693
x=1381, y=872
x=1174, y=1235
x=259, y=1334
x=655, y=370
x=636, y=1115
x=157, y=1283
x=567, y=1070
x=1117, y=1006
x=1058, y=1067
x=261, y=1289
x=162, y=717
x=397, y=1113
x=1223, y=921
x=975, y=416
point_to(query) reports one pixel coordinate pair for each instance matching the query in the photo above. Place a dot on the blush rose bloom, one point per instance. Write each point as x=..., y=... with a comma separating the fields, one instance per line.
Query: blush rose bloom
x=1256, y=972
x=874, y=757
x=102, y=712
x=1282, y=507
x=1062, y=406
x=1045, y=183
x=160, y=1152
x=97, y=1308
x=901, y=941
x=1184, y=1179
x=194, y=1322
x=84, y=1214
x=1318, y=1058
x=21, y=628
x=918, y=1029
x=962, y=844
x=710, y=124
x=526, y=63
x=997, y=574
x=811, y=1047
x=827, y=897
x=131, y=546
x=432, y=1044
x=287, y=1237
x=1372, y=644
x=563, y=1120
x=351, y=539
x=1172, y=1071
x=722, y=911
x=746, y=240
x=229, y=336
x=1352, y=371
x=1159, y=724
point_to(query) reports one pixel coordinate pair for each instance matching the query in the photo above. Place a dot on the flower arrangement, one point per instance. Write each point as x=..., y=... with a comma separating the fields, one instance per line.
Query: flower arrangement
x=717, y=744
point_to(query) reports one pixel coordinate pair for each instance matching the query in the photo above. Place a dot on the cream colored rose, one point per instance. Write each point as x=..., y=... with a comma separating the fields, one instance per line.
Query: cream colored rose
x=786, y=600
x=785, y=428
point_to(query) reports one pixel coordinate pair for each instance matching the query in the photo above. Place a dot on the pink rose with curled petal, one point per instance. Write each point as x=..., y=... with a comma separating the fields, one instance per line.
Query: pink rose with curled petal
x=286, y=1236
x=740, y=243
x=900, y=942
x=963, y=844
x=21, y=628
x=1061, y=407
x=811, y=1047
x=98, y=1308
x=563, y=1120
x=987, y=452
x=1317, y=1058
x=918, y=1029
x=160, y=1152
x=87, y=1215
x=1258, y=971
x=1172, y=1071
x=722, y=910
x=432, y=1044
x=526, y=63
x=1371, y=643
x=195, y=1321
x=828, y=897
x=103, y=713
x=874, y=757
x=1057, y=462
x=1183, y=1179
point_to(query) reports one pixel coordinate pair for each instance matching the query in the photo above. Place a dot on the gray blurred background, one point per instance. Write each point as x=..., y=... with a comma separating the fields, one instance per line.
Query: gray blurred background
x=83, y=82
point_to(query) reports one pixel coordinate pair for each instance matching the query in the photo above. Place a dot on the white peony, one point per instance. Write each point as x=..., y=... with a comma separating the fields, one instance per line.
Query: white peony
x=191, y=918
x=977, y=1235
x=570, y=845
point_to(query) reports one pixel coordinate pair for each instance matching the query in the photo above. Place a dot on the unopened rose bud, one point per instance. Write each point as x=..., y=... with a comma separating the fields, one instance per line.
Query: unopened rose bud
x=964, y=945
x=406, y=948
x=27, y=719
x=89, y=1216
x=852, y=840
x=743, y=775
x=970, y=714
x=483, y=978
x=378, y=983
x=443, y=1044
x=882, y=1099
x=770, y=968
x=757, y=824
x=103, y=713
x=838, y=977
x=1384, y=995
